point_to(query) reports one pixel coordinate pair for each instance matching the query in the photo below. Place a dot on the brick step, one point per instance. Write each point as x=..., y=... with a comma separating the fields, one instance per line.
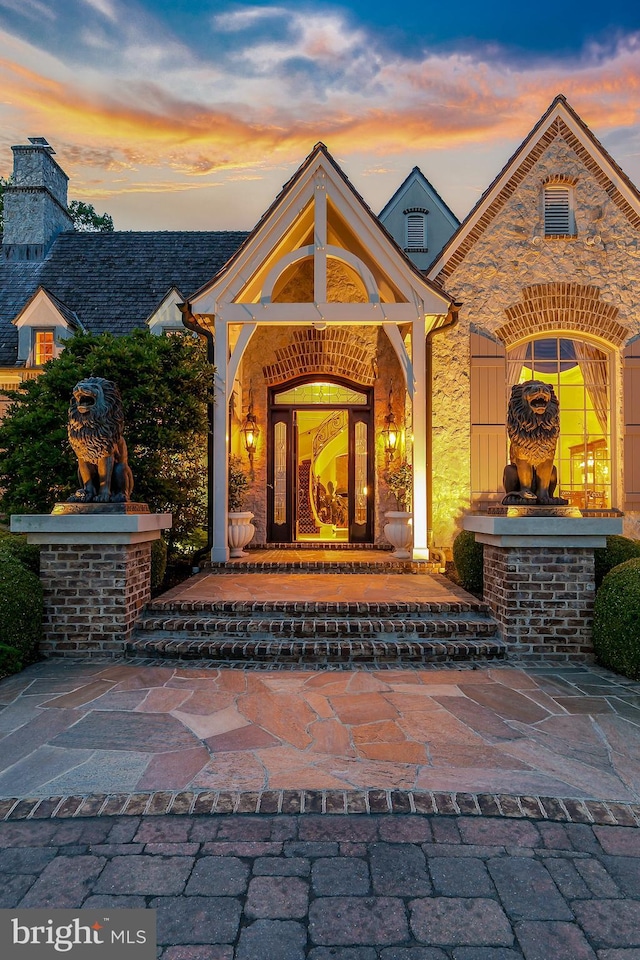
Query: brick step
x=337, y=566
x=162, y=611
x=282, y=628
x=313, y=652
x=319, y=545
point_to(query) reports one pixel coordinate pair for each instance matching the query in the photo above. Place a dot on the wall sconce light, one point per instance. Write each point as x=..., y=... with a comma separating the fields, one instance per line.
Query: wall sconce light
x=250, y=431
x=391, y=431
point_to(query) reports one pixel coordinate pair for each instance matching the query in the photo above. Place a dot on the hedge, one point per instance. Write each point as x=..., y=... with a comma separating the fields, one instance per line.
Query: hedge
x=468, y=559
x=617, y=550
x=17, y=547
x=616, y=620
x=21, y=611
x=158, y=563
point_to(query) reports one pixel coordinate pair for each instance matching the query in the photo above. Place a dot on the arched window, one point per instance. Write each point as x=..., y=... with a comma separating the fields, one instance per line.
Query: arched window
x=579, y=373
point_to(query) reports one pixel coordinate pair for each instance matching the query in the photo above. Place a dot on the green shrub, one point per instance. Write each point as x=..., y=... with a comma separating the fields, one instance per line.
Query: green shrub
x=468, y=558
x=20, y=614
x=10, y=660
x=17, y=547
x=617, y=550
x=616, y=620
x=238, y=483
x=158, y=563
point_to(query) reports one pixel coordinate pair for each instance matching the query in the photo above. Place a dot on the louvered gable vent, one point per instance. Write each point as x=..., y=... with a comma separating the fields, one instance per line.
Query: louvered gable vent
x=415, y=231
x=557, y=210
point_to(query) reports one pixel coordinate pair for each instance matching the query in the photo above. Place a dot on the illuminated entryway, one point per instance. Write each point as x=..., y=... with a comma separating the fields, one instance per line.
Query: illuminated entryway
x=320, y=457
x=579, y=373
x=317, y=261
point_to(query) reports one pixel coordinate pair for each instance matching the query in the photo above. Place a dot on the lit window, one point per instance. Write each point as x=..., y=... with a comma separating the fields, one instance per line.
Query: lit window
x=558, y=210
x=579, y=373
x=416, y=231
x=43, y=347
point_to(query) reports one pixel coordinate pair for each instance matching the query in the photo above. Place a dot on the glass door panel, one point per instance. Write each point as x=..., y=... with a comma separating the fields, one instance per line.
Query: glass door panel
x=279, y=512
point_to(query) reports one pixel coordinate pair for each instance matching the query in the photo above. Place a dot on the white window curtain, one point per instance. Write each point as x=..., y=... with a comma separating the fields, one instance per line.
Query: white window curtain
x=594, y=374
x=515, y=362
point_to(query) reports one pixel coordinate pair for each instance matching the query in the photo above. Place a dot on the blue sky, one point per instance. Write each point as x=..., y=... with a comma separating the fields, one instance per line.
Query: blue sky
x=190, y=114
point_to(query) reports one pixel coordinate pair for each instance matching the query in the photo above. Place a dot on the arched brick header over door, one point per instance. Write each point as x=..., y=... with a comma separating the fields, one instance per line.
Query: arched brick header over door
x=557, y=307
x=332, y=351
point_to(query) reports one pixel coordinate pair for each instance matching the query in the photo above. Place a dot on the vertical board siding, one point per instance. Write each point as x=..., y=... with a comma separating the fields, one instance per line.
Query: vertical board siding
x=631, y=368
x=488, y=416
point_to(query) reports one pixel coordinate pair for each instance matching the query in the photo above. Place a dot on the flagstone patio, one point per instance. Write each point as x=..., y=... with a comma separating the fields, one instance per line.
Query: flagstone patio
x=77, y=728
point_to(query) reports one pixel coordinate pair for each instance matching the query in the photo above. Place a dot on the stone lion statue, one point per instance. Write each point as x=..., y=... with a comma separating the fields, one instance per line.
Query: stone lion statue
x=95, y=428
x=533, y=425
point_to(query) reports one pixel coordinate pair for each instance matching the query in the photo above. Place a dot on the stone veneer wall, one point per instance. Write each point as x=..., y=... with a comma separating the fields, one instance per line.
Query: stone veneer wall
x=542, y=598
x=509, y=255
x=92, y=596
x=36, y=203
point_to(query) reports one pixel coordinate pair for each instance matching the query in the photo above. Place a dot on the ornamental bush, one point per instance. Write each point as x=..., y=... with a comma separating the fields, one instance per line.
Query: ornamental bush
x=616, y=620
x=21, y=611
x=165, y=384
x=158, y=563
x=617, y=550
x=468, y=557
x=17, y=547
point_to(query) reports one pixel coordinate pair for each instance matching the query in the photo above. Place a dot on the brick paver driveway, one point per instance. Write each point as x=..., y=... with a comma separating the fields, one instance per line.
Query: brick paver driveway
x=395, y=887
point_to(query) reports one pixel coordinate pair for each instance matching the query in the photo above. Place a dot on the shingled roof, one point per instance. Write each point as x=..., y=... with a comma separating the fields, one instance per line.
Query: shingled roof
x=112, y=281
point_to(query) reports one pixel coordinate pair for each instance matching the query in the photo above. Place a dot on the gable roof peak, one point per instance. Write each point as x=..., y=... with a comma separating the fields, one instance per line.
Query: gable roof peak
x=560, y=119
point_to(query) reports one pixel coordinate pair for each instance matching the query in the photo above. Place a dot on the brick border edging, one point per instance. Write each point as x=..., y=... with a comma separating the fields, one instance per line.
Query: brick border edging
x=329, y=802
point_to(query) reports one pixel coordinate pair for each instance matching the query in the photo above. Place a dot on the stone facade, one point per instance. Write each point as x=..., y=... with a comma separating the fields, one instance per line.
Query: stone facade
x=542, y=598
x=510, y=254
x=92, y=596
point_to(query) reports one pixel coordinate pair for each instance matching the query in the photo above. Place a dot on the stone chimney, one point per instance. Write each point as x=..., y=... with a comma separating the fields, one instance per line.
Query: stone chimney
x=35, y=205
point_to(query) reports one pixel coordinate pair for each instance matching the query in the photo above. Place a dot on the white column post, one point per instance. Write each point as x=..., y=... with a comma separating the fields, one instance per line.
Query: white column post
x=418, y=346
x=220, y=547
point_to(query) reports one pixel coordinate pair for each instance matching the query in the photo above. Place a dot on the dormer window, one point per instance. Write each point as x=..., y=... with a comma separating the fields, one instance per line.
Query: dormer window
x=43, y=324
x=559, y=219
x=416, y=230
x=43, y=347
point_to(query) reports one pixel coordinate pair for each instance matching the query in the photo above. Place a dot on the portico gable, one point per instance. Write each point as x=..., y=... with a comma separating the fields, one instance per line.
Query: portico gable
x=318, y=261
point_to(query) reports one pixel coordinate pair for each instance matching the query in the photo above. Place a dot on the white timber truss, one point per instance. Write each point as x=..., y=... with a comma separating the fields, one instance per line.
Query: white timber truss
x=319, y=204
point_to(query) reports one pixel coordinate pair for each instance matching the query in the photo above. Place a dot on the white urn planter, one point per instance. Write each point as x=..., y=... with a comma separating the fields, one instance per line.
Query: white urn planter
x=241, y=532
x=399, y=533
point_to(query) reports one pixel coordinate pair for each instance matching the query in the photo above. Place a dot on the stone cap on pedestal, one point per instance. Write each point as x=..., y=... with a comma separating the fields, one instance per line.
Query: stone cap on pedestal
x=91, y=528
x=554, y=531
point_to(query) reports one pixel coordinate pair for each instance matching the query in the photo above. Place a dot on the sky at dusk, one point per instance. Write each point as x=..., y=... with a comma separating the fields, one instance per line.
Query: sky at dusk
x=191, y=114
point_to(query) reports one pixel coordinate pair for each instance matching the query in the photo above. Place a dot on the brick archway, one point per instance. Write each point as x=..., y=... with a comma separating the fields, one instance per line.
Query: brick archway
x=332, y=351
x=554, y=307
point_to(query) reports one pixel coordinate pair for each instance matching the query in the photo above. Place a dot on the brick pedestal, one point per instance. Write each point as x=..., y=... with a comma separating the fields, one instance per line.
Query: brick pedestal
x=539, y=580
x=96, y=576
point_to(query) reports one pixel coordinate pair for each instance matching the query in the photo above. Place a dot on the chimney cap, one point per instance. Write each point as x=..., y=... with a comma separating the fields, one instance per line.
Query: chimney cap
x=41, y=142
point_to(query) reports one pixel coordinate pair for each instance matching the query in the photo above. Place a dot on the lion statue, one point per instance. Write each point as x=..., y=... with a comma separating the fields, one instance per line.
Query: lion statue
x=95, y=429
x=533, y=425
